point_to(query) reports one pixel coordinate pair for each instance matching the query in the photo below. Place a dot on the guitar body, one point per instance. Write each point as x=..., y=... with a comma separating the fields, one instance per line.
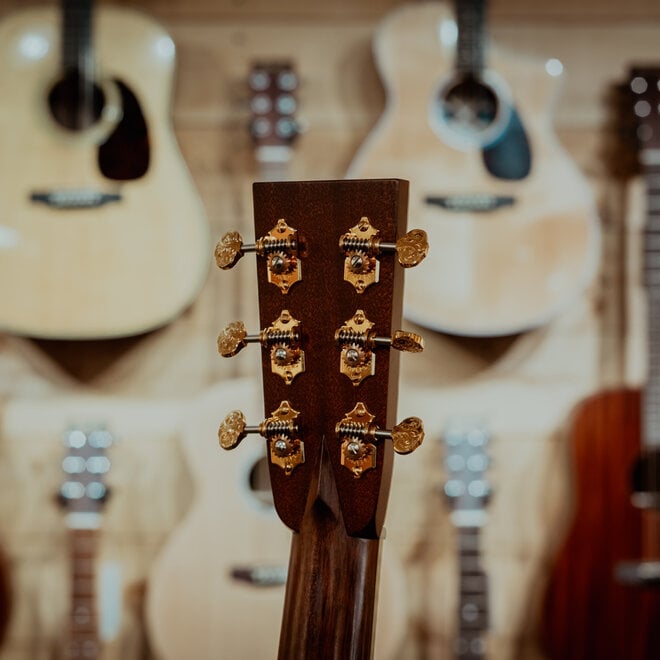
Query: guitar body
x=587, y=614
x=128, y=265
x=195, y=607
x=489, y=272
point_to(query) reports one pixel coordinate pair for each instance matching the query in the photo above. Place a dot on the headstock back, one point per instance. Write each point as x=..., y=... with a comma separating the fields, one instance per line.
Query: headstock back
x=85, y=465
x=466, y=461
x=323, y=239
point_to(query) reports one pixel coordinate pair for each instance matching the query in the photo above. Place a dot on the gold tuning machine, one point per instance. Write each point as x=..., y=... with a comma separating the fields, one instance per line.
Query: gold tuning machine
x=357, y=340
x=279, y=246
x=281, y=430
x=361, y=247
x=358, y=435
x=282, y=337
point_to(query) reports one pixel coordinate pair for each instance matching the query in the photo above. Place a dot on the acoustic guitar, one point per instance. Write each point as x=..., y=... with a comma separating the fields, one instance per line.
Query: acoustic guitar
x=101, y=231
x=82, y=495
x=468, y=491
x=511, y=219
x=330, y=295
x=603, y=599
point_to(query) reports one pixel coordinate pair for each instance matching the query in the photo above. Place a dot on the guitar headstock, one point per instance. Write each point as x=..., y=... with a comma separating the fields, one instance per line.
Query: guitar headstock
x=330, y=377
x=85, y=466
x=466, y=462
x=273, y=105
x=645, y=91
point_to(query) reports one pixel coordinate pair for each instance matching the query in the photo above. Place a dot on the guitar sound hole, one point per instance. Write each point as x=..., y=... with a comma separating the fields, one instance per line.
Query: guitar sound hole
x=469, y=109
x=259, y=481
x=74, y=104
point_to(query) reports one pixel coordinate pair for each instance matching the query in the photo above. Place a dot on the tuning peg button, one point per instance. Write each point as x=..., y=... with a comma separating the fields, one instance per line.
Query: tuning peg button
x=279, y=247
x=282, y=337
x=281, y=430
x=357, y=340
x=362, y=247
x=358, y=433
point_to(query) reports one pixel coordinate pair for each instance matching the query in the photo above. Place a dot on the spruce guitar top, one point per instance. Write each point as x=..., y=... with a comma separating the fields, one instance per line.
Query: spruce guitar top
x=101, y=231
x=511, y=219
x=330, y=291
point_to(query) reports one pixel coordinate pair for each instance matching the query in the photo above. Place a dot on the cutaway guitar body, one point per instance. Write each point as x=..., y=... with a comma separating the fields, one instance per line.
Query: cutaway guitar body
x=101, y=231
x=588, y=613
x=510, y=219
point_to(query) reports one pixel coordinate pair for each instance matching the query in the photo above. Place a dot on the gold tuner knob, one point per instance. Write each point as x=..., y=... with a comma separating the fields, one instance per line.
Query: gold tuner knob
x=282, y=338
x=407, y=435
x=410, y=249
x=358, y=433
x=281, y=430
x=279, y=246
x=357, y=340
x=229, y=249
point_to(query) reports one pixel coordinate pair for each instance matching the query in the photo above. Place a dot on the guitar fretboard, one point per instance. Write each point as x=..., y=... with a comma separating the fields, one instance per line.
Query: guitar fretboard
x=651, y=396
x=470, y=18
x=77, y=37
x=83, y=639
x=473, y=596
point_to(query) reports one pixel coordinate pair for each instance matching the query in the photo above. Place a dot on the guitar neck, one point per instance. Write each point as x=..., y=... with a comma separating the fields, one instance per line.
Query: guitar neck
x=77, y=38
x=473, y=596
x=470, y=19
x=651, y=399
x=329, y=608
x=84, y=638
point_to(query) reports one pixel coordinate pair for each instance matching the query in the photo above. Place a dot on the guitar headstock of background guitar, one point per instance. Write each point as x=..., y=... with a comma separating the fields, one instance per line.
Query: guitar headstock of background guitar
x=645, y=98
x=330, y=296
x=85, y=465
x=466, y=462
x=273, y=104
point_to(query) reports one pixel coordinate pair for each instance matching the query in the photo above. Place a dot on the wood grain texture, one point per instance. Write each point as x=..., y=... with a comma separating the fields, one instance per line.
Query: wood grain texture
x=587, y=613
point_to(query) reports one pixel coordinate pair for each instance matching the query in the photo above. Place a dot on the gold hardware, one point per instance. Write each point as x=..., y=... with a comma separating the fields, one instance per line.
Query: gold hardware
x=362, y=246
x=357, y=341
x=279, y=246
x=281, y=430
x=358, y=434
x=287, y=359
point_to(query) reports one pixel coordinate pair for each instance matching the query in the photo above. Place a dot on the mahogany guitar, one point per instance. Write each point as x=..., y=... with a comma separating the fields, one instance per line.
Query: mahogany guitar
x=101, y=231
x=468, y=491
x=603, y=600
x=511, y=219
x=83, y=494
x=330, y=295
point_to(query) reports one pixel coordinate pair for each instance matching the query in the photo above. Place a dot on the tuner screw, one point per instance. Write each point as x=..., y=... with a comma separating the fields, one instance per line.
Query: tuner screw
x=361, y=247
x=282, y=337
x=358, y=433
x=281, y=430
x=357, y=341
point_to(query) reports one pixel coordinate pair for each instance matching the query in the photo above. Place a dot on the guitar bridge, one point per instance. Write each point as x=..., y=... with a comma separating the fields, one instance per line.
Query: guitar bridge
x=74, y=198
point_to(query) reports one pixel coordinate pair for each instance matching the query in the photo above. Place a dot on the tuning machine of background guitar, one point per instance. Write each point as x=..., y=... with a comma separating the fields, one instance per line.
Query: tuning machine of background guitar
x=281, y=430
x=357, y=340
x=282, y=337
x=357, y=434
x=362, y=247
x=279, y=246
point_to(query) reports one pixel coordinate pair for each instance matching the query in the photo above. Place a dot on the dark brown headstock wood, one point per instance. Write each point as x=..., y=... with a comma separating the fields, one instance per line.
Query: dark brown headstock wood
x=322, y=301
